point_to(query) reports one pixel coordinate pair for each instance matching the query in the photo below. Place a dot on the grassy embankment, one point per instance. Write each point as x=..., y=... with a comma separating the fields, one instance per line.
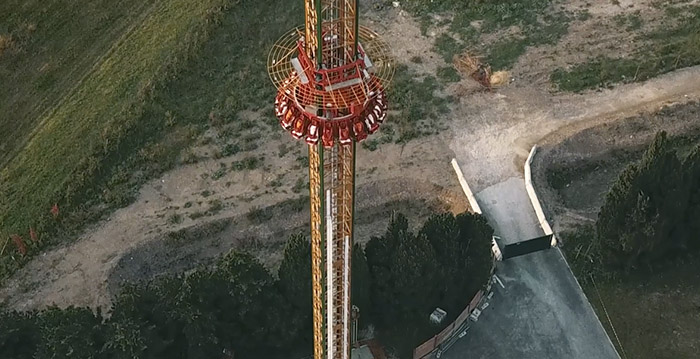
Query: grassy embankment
x=96, y=125
x=654, y=313
x=46, y=49
x=183, y=69
x=672, y=45
x=418, y=97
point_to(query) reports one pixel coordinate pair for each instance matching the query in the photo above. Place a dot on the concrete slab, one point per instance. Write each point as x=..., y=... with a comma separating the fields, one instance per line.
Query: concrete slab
x=541, y=312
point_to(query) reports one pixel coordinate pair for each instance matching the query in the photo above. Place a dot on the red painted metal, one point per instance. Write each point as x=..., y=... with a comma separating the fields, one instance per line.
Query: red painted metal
x=348, y=112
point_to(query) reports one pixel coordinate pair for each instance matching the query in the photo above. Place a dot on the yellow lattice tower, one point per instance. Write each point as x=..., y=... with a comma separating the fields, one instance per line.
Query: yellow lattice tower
x=331, y=76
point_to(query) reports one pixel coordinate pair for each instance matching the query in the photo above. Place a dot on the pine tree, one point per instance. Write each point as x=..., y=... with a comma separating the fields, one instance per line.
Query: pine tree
x=19, y=334
x=69, y=333
x=640, y=217
x=691, y=220
x=295, y=285
x=361, y=282
x=404, y=272
x=462, y=245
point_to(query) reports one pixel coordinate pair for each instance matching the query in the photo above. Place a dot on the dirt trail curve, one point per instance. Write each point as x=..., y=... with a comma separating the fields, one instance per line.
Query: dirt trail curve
x=78, y=273
x=493, y=133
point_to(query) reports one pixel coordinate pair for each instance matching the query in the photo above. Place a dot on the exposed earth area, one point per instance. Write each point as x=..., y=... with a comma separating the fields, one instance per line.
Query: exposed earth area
x=492, y=132
x=253, y=199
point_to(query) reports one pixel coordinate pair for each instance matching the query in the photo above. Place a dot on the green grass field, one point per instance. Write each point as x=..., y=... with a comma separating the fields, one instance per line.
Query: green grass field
x=186, y=66
x=540, y=22
x=49, y=48
x=96, y=123
x=673, y=45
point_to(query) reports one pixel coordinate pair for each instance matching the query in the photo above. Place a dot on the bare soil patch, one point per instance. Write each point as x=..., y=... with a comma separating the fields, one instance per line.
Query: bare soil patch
x=491, y=133
x=201, y=245
x=415, y=179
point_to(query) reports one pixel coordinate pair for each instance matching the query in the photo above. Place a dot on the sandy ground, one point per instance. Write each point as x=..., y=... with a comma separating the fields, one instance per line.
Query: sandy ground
x=494, y=137
x=491, y=133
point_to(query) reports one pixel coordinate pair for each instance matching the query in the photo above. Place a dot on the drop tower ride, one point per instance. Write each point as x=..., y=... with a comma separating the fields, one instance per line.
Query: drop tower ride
x=331, y=76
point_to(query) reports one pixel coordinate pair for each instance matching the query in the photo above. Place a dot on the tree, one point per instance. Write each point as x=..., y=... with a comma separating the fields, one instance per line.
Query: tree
x=476, y=237
x=252, y=322
x=123, y=339
x=69, y=333
x=691, y=220
x=361, y=282
x=403, y=269
x=153, y=310
x=462, y=245
x=639, y=220
x=203, y=302
x=295, y=285
x=19, y=334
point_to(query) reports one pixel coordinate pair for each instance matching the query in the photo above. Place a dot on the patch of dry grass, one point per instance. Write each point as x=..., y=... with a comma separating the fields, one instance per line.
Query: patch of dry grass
x=6, y=43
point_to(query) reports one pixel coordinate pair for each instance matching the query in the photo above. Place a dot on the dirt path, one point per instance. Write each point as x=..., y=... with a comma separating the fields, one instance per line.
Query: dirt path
x=415, y=178
x=490, y=132
x=494, y=132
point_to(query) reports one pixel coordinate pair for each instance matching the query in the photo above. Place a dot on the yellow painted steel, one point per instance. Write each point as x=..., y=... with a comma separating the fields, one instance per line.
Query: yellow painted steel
x=317, y=267
x=331, y=170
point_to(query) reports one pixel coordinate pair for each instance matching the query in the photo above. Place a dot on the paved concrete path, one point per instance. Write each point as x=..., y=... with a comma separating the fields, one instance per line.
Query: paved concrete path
x=542, y=312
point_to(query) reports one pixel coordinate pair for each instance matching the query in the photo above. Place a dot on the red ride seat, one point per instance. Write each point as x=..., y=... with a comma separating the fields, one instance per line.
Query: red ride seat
x=287, y=119
x=299, y=127
x=312, y=135
x=344, y=133
x=371, y=123
x=359, y=131
x=327, y=137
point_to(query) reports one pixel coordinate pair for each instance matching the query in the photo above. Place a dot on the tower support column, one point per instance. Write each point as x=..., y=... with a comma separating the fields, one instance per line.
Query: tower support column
x=331, y=173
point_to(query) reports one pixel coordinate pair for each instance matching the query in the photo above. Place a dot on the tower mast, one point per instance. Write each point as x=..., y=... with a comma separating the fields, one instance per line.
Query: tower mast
x=331, y=94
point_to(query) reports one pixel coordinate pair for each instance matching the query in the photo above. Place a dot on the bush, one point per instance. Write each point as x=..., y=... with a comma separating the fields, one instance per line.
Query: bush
x=665, y=49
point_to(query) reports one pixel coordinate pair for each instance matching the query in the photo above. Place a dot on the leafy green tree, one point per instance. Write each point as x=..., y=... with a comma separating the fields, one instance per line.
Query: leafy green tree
x=251, y=321
x=123, y=339
x=204, y=299
x=155, y=309
x=476, y=237
x=69, y=333
x=239, y=307
x=404, y=269
x=462, y=245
